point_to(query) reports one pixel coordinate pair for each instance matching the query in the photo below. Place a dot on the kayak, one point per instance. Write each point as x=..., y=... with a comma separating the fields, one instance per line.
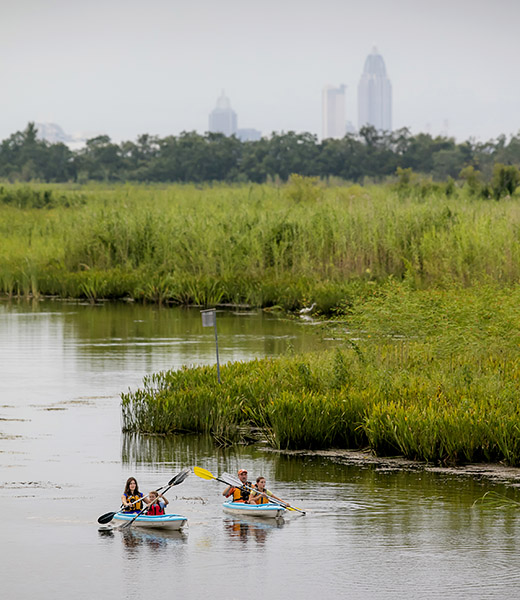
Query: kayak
x=167, y=521
x=269, y=510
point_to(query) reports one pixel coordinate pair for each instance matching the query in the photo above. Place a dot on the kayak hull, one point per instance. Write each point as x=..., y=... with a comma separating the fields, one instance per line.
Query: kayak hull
x=169, y=522
x=265, y=511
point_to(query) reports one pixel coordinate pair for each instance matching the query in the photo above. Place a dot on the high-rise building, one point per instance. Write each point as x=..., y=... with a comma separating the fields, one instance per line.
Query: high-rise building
x=333, y=112
x=249, y=135
x=375, y=94
x=223, y=119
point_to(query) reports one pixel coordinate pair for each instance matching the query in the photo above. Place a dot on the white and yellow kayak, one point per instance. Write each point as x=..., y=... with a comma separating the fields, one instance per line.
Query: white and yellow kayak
x=167, y=521
x=266, y=511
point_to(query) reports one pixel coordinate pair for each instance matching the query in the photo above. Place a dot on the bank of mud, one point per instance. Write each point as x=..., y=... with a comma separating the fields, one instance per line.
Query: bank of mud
x=493, y=472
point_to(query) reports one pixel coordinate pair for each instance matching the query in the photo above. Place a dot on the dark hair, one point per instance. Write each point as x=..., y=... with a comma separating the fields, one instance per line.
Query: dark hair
x=127, y=491
x=259, y=477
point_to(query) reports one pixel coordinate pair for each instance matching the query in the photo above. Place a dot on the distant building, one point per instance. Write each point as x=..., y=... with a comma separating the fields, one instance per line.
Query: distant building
x=375, y=94
x=223, y=119
x=249, y=135
x=54, y=134
x=349, y=128
x=333, y=112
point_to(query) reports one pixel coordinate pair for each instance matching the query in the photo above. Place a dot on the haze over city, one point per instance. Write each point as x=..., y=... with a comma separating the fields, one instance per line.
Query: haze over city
x=126, y=68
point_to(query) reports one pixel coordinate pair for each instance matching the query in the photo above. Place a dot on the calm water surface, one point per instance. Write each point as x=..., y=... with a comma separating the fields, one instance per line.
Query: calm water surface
x=368, y=533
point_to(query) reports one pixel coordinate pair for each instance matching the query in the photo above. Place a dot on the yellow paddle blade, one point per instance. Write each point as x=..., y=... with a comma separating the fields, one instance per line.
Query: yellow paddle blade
x=203, y=473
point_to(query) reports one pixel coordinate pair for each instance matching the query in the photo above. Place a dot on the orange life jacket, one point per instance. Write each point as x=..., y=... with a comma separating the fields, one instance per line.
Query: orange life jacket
x=240, y=494
x=262, y=499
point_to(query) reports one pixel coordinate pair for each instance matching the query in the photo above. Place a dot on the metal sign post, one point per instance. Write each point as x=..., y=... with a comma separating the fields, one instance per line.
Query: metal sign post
x=209, y=319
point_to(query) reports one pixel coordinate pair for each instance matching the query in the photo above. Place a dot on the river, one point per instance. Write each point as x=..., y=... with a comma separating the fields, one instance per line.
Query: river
x=369, y=533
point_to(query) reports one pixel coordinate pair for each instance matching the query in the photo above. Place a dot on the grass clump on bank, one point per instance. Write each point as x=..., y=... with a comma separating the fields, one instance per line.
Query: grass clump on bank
x=431, y=375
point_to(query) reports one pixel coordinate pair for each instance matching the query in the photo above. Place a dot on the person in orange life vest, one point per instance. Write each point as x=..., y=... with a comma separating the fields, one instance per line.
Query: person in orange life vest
x=157, y=503
x=132, y=497
x=259, y=495
x=239, y=494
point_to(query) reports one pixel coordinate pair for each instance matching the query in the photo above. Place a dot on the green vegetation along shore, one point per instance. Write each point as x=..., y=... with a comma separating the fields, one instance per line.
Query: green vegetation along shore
x=420, y=279
x=261, y=245
x=430, y=375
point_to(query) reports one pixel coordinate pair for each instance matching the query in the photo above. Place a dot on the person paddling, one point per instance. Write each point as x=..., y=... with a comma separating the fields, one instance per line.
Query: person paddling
x=132, y=497
x=239, y=494
x=158, y=503
x=259, y=494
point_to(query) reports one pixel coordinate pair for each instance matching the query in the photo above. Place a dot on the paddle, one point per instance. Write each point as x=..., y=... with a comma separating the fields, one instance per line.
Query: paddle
x=179, y=478
x=231, y=480
x=107, y=517
x=200, y=472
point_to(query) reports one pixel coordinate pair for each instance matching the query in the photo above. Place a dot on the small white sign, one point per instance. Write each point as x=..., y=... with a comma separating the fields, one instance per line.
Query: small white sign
x=208, y=317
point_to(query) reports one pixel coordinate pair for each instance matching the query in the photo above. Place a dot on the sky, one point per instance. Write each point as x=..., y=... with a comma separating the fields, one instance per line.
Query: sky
x=123, y=68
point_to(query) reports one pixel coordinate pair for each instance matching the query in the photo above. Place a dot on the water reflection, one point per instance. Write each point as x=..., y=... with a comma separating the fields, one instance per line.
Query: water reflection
x=368, y=534
x=132, y=540
x=244, y=530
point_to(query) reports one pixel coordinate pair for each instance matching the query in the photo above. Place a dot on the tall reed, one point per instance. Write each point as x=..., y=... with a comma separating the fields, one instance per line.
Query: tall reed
x=260, y=244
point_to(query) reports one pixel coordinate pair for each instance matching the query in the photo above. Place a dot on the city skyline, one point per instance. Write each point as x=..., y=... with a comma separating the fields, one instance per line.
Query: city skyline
x=334, y=123
x=223, y=119
x=375, y=94
x=153, y=67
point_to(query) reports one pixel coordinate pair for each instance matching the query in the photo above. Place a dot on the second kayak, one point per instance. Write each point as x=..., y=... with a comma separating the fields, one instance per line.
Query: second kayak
x=270, y=510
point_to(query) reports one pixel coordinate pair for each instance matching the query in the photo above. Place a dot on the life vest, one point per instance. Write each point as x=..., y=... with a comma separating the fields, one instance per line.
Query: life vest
x=262, y=499
x=137, y=507
x=155, y=509
x=240, y=494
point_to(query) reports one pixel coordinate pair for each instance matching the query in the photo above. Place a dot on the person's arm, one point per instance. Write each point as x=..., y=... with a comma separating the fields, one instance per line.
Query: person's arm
x=124, y=501
x=270, y=495
x=164, y=500
x=228, y=491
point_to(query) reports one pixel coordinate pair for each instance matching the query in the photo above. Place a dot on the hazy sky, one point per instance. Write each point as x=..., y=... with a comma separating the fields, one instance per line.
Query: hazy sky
x=123, y=67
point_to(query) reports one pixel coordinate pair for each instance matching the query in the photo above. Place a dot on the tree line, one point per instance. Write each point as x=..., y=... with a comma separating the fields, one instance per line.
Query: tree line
x=194, y=157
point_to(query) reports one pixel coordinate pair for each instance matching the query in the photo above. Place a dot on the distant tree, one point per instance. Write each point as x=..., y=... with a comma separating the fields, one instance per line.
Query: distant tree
x=472, y=179
x=448, y=163
x=100, y=160
x=505, y=180
x=23, y=156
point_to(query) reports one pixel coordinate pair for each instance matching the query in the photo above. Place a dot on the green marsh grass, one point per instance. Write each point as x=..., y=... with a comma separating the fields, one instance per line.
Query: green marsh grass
x=425, y=288
x=430, y=375
x=263, y=245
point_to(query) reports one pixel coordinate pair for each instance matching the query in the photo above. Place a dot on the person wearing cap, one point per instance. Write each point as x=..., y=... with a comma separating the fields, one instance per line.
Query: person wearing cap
x=239, y=494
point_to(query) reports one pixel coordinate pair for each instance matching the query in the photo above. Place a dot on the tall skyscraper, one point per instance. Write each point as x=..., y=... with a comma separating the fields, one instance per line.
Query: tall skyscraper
x=375, y=94
x=333, y=112
x=223, y=119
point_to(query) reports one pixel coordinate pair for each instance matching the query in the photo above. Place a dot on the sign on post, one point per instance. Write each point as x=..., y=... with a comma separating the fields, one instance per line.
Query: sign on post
x=209, y=319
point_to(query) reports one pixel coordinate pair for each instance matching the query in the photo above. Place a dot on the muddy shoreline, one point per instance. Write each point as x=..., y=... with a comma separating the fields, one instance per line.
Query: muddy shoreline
x=495, y=473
